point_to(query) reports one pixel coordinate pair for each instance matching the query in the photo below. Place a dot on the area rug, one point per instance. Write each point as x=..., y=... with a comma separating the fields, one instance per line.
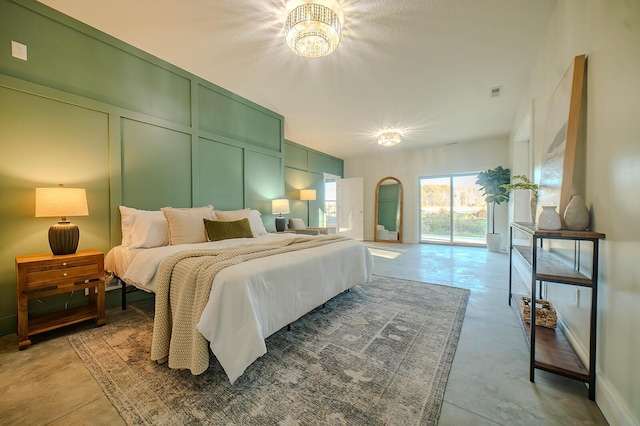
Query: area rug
x=378, y=354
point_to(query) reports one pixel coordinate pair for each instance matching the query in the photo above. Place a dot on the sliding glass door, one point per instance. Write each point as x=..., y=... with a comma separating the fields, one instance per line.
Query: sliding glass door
x=452, y=210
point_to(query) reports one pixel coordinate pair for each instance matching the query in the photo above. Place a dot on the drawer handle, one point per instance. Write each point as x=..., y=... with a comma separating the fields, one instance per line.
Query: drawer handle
x=64, y=264
x=64, y=275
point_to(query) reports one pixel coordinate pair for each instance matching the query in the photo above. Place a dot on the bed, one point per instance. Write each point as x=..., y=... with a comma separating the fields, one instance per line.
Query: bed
x=229, y=295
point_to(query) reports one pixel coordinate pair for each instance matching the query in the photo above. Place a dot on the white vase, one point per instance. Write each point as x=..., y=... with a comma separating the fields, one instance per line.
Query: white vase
x=576, y=215
x=549, y=219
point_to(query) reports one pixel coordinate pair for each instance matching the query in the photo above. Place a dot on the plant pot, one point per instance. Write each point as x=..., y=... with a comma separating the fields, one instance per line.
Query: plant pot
x=494, y=240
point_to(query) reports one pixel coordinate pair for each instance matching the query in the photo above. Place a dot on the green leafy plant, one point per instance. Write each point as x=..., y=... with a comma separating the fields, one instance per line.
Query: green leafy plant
x=524, y=183
x=491, y=183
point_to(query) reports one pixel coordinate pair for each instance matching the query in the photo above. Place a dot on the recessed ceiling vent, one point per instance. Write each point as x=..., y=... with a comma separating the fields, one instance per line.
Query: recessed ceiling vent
x=496, y=91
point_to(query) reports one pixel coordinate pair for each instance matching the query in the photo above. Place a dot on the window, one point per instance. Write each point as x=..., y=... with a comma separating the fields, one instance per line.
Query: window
x=452, y=210
x=330, y=203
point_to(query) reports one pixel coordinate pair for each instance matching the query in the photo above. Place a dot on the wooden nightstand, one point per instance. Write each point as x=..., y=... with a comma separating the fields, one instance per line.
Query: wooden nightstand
x=42, y=275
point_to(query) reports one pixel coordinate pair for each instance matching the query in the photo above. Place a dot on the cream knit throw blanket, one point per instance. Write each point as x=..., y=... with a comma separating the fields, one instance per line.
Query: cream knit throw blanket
x=183, y=287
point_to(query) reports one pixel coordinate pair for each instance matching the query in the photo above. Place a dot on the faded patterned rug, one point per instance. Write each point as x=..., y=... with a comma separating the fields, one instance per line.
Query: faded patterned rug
x=379, y=354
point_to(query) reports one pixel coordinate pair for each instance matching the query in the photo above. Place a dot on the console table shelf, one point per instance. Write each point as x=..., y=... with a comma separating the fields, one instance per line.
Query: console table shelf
x=549, y=349
x=553, y=351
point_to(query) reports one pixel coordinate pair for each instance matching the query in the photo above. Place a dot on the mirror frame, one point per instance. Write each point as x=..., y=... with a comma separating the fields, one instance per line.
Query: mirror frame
x=375, y=222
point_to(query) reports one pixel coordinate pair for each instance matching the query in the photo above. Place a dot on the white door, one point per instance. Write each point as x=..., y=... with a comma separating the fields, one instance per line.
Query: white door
x=350, y=207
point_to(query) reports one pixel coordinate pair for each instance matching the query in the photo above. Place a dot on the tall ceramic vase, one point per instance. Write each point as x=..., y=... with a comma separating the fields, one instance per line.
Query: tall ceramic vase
x=549, y=219
x=533, y=205
x=576, y=215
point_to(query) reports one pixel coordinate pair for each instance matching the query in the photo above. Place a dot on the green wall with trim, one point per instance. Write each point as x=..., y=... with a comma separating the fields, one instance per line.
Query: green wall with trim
x=304, y=168
x=90, y=111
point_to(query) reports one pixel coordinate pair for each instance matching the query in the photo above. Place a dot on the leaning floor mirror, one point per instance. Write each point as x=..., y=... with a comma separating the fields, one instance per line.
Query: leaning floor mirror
x=388, y=211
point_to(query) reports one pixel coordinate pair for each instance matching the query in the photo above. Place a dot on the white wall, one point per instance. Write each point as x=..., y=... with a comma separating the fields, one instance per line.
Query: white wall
x=608, y=32
x=409, y=166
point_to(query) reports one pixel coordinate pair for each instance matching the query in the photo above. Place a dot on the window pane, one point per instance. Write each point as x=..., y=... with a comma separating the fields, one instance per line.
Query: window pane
x=435, y=209
x=330, y=203
x=469, y=211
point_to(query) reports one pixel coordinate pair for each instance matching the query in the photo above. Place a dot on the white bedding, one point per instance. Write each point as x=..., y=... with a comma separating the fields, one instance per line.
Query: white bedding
x=137, y=266
x=252, y=300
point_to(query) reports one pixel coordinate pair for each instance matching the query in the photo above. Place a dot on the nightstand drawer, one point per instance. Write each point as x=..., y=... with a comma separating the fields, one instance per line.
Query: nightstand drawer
x=47, y=277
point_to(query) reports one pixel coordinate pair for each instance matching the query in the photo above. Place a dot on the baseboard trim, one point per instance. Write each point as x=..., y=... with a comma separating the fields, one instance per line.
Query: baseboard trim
x=612, y=405
x=609, y=401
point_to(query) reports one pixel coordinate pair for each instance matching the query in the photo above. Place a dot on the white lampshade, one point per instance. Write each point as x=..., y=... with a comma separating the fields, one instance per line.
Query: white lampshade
x=61, y=202
x=280, y=206
x=307, y=194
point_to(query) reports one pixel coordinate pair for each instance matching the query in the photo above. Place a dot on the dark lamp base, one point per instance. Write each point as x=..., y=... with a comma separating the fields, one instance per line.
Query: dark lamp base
x=63, y=238
x=280, y=223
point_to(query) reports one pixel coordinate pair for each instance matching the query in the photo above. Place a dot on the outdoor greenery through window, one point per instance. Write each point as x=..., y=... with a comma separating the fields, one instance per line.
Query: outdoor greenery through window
x=330, y=203
x=452, y=210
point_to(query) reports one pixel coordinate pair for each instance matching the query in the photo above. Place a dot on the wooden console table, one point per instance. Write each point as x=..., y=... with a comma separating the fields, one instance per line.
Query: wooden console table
x=549, y=349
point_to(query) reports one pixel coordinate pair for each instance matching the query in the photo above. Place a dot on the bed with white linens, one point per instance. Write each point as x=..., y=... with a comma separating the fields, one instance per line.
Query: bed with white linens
x=267, y=281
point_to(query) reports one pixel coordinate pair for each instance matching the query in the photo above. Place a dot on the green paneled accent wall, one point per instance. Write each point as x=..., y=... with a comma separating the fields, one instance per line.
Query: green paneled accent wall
x=304, y=169
x=297, y=157
x=323, y=163
x=263, y=173
x=219, y=115
x=114, y=73
x=90, y=111
x=46, y=142
x=156, y=163
x=294, y=181
x=221, y=177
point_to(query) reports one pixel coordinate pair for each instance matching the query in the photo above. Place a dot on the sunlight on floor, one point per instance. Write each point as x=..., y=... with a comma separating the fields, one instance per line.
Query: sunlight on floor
x=387, y=254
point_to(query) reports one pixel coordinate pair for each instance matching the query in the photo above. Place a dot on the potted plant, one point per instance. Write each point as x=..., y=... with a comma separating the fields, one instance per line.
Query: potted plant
x=491, y=183
x=525, y=183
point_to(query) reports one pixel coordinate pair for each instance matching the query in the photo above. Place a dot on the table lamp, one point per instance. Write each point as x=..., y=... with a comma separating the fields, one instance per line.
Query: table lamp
x=62, y=202
x=280, y=207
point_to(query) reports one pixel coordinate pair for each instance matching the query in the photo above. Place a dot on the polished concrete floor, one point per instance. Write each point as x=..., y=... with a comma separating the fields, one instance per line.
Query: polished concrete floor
x=47, y=384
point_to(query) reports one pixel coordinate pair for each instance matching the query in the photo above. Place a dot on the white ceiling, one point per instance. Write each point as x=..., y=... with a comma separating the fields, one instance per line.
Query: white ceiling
x=425, y=66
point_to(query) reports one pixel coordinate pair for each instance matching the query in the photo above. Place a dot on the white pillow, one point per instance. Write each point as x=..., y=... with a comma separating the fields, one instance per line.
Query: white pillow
x=229, y=215
x=150, y=231
x=126, y=224
x=257, y=226
x=186, y=226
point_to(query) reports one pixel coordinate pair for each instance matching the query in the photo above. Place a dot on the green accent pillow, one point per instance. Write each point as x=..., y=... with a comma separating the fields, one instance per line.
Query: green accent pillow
x=223, y=230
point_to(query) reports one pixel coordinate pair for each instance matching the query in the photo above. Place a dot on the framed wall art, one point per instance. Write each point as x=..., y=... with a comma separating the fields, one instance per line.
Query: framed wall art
x=561, y=138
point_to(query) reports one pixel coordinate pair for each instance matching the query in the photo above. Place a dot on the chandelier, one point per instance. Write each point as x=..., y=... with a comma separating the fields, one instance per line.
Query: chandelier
x=312, y=30
x=389, y=137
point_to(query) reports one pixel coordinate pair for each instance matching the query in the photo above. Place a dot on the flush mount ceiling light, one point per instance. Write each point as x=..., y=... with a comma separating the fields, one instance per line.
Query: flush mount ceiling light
x=389, y=137
x=312, y=30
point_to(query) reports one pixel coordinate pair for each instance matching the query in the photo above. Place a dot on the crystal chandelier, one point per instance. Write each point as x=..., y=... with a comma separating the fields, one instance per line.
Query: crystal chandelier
x=389, y=137
x=312, y=30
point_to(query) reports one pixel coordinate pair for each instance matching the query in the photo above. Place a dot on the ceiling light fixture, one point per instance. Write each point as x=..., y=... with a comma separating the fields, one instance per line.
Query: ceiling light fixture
x=312, y=30
x=389, y=137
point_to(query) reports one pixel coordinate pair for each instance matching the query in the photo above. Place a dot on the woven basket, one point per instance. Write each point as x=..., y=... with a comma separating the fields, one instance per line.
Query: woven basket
x=545, y=312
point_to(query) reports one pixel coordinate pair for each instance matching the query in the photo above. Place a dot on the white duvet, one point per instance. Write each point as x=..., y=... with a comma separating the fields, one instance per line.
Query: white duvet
x=252, y=300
